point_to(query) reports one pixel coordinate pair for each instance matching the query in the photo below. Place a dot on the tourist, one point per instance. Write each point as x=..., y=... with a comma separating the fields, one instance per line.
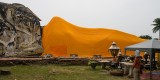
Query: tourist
x=137, y=65
x=146, y=57
x=119, y=57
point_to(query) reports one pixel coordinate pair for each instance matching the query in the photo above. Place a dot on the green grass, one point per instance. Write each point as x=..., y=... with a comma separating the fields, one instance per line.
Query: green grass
x=57, y=72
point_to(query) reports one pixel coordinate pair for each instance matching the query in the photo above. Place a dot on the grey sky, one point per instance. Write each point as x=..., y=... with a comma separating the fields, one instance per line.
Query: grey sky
x=131, y=16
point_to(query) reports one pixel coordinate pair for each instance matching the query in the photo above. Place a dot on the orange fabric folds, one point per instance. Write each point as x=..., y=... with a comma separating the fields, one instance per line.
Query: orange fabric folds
x=61, y=38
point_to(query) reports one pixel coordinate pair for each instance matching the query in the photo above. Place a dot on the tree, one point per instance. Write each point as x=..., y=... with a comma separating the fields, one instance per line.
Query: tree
x=145, y=37
x=156, y=26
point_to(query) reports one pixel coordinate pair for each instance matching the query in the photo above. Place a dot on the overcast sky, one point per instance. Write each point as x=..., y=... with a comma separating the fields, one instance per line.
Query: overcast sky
x=131, y=16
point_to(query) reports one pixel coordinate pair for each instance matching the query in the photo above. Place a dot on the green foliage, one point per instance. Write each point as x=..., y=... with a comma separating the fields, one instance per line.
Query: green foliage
x=145, y=37
x=156, y=25
x=92, y=62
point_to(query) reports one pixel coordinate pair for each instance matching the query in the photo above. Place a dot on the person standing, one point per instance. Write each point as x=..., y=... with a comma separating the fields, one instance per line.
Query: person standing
x=119, y=59
x=146, y=57
x=137, y=66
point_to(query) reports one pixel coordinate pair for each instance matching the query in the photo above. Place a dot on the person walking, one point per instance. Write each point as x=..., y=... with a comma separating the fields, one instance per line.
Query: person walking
x=137, y=66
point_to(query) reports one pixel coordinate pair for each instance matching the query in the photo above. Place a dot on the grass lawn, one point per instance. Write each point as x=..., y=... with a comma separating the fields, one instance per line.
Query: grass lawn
x=57, y=72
